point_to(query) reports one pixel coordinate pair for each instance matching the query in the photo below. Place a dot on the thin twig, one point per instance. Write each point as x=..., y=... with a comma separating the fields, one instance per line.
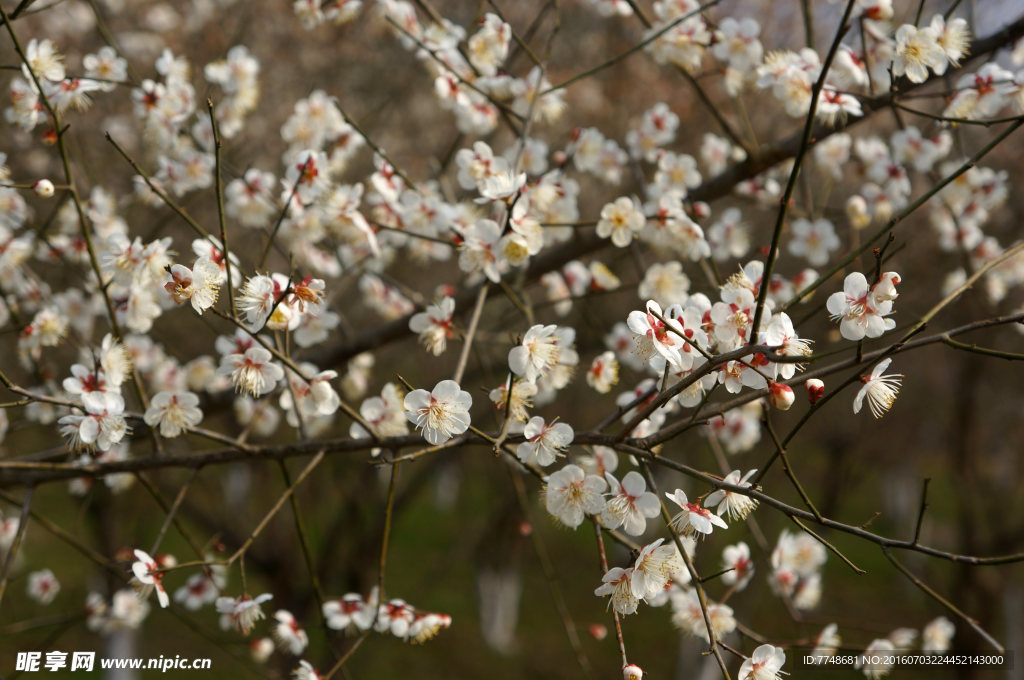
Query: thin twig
x=12, y=552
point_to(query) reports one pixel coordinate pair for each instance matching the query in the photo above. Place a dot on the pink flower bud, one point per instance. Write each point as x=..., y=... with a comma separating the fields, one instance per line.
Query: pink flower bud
x=632, y=672
x=815, y=389
x=598, y=631
x=43, y=188
x=701, y=210
x=781, y=396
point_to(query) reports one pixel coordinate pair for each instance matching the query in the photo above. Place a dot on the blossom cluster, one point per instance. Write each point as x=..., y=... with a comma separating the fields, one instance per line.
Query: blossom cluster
x=628, y=265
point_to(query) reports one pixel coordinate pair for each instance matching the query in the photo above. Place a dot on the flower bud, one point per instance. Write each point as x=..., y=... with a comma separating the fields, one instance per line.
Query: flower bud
x=701, y=210
x=598, y=631
x=261, y=649
x=857, y=212
x=781, y=396
x=815, y=390
x=632, y=672
x=43, y=188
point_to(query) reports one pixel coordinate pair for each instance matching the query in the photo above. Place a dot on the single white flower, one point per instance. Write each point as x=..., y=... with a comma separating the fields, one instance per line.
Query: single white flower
x=241, y=612
x=764, y=664
x=654, y=568
x=693, y=519
x=252, y=371
x=349, y=611
x=616, y=582
x=813, y=240
x=917, y=50
x=937, y=636
x=570, y=493
x=630, y=504
x=654, y=335
x=543, y=442
x=200, y=285
x=200, y=589
x=174, y=412
x=859, y=310
x=441, y=413
x=501, y=186
x=542, y=348
x=288, y=634
x=879, y=389
x=737, y=558
x=434, y=325
x=603, y=372
x=42, y=586
x=621, y=220
x=876, y=661
x=731, y=504
x=149, y=577
x=258, y=296
x=827, y=643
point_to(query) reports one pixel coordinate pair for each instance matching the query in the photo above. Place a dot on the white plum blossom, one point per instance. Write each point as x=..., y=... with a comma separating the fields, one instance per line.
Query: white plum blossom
x=479, y=249
x=730, y=503
x=880, y=389
x=42, y=586
x=440, y=414
x=629, y=504
x=918, y=50
x=652, y=335
x=827, y=643
x=101, y=427
x=737, y=558
x=434, y=325
x=201, y=589
x=544, y=442
x=174, y=412
x=737, y=43
x=603, y=373
x=953, y=37
x=258, y=297
x=241, y=612
x=937, y=635
x=501, y=186
x=148, y=577
x=653, y=569
x=570, y=494
x=764, y=664
x=877, y=660
x=252, y=371
x=92, y=387
x=617, y=582
x=693, y=519
x=305, y=670
x=860, y=313
x=349, y=611
x=688, y=615
x=542, y=349
x=489, y=46
x=621, y=220
x=781, y=335
x=199, y=285
x=288, y=633
x=813, y=241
